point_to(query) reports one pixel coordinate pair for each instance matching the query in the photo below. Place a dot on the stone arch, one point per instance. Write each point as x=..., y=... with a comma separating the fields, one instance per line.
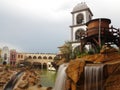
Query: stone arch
x=30, y=57
x=37, y=65
x=44, y=57
x=39, y=57
x=79, y=34
x=44, y=66
x=79, y=18
x=34, y=57
x=4, y=63
x=50, y=57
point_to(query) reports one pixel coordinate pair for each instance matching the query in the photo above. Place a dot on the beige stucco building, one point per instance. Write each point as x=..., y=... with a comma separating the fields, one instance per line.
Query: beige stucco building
x=40, y=60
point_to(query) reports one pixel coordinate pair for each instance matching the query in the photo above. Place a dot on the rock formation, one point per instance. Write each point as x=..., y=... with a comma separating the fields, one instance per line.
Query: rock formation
x=29, y=78
x=108, y=57
x=5, y=76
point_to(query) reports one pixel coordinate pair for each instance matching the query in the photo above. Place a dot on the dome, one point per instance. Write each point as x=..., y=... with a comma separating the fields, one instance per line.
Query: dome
x=80, y=6
x=6, y=48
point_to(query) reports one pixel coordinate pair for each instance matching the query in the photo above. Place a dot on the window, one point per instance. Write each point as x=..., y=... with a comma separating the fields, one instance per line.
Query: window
x=12, y=56
x=5, y=56
x=80, y=33
x=21, y=56
x=11, y=63
x=18, y=56
x=79, y=18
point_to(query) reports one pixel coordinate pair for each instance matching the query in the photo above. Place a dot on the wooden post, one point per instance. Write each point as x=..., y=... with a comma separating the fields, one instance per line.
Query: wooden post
x=99, y=36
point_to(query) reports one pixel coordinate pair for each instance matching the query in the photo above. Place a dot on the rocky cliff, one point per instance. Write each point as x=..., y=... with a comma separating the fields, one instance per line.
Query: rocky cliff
x=108, y=57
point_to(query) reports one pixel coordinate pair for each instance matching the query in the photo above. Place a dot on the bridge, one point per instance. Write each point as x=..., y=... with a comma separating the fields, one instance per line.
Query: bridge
x=37, y=60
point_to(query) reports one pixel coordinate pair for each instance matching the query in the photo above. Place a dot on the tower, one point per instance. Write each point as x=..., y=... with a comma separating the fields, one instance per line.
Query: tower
x=5, y=54
x=81, y=14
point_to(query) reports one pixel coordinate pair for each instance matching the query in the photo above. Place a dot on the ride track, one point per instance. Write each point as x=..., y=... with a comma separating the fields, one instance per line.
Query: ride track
x=10, y=85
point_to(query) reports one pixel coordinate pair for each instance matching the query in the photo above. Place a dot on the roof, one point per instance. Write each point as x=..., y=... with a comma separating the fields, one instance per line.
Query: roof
x=80, y=6
x=97, y=19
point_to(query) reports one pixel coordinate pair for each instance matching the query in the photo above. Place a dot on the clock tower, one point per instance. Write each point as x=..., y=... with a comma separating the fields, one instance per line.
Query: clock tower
x=81, y=14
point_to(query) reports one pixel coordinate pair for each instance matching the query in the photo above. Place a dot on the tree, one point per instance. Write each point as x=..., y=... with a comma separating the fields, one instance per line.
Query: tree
x=66, y=50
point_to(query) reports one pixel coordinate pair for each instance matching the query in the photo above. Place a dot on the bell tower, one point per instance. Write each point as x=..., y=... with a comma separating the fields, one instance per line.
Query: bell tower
x=81, y=14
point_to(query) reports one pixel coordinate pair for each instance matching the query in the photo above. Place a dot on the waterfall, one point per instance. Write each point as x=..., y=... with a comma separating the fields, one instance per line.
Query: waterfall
x=93, y=77
x=61, y=77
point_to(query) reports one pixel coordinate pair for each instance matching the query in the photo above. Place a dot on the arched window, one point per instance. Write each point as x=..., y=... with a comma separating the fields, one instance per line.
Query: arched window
x=44, y=57
x=49, y=57
x=79, y=18
x=30, y=57
x=5, y=56
x=21, y=56
x=18, y=56
x=34, y=57
x=39, y=57
x=79, y=34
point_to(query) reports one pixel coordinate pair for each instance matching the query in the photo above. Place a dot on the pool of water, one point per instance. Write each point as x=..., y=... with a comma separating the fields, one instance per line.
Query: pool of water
x=47, y=78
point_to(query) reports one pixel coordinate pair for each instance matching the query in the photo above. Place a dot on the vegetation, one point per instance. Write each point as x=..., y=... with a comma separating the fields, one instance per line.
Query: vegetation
x=66, y=50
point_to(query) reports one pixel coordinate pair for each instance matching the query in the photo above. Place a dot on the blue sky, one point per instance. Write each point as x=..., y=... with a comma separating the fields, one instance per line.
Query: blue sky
x=43, y=25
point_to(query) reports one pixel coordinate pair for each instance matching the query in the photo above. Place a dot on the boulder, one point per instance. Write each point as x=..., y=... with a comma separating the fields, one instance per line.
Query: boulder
x=112, y=83
x=31, y=81
x=49, y=88
x=74, y=70
x=107, y=49
x=113, y=80
x=23, y=85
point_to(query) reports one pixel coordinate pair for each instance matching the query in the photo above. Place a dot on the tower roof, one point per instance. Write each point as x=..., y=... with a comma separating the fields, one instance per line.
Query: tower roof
x=80, y=7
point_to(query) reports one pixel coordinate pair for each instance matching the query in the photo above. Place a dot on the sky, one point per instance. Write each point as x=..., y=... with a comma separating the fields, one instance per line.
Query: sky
x=41, y=26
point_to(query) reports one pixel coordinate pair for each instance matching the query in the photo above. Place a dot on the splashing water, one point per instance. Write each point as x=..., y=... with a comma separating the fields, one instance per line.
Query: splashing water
x=61, y=77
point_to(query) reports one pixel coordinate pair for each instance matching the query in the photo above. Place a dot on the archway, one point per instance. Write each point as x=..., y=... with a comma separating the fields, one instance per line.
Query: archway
x=4, y=63
x=44, y=66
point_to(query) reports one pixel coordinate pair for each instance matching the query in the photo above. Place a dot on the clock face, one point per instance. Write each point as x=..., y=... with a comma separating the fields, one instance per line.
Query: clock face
x=79, y=18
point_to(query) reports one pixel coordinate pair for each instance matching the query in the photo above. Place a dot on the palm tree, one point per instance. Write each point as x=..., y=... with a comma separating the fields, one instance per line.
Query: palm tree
x=66, y=50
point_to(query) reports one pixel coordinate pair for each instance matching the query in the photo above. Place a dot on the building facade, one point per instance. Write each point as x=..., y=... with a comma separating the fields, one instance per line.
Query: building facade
x=5, y=55
x=81, y=14
x=0, y=56
x=37, y=60
x=13, y=56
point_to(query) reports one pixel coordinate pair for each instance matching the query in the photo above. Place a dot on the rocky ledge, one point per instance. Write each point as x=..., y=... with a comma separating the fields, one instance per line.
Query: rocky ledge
x=108, y=57
x=29, y=78
x=5, y=75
